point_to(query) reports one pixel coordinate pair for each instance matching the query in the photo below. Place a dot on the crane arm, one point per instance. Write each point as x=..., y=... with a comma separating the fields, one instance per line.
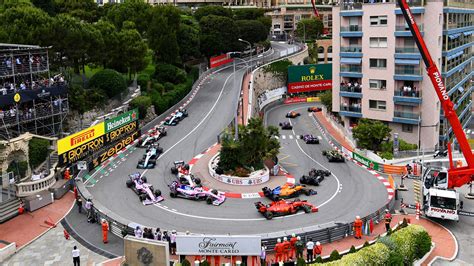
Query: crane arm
x=457, y=176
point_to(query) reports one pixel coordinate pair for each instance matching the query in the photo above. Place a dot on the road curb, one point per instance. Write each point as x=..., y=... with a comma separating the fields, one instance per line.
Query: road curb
x=236, y=195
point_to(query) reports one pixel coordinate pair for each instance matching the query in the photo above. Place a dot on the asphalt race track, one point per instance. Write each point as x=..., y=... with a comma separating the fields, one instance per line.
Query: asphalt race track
x=212, y=109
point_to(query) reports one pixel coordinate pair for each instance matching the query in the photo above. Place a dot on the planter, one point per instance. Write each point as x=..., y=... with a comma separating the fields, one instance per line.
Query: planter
x=255, y=178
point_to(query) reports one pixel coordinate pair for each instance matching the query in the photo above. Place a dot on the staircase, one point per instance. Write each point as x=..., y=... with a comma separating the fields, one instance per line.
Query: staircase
x=9, y=209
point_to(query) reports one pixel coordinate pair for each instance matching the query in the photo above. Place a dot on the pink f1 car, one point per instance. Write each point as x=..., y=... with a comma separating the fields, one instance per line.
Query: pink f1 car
x=196, y=193
x=144, y=190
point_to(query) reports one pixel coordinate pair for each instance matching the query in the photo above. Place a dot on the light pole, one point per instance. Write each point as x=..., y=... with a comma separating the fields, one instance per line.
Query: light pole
x=250, y=45
x=236, y=122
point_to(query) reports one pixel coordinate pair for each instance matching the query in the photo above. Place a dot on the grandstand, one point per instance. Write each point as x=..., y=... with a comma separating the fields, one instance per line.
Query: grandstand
x=31, y=100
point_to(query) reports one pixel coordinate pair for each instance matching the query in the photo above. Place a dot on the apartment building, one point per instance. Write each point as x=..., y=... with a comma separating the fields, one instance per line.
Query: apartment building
x=378, y=72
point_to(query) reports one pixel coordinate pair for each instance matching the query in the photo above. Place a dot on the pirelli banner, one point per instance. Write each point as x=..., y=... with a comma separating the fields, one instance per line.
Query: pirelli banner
x=305, y=78
x=94, y=139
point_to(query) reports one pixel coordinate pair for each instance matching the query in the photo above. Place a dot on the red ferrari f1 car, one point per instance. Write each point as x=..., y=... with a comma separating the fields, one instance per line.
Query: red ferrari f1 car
x=284, y=207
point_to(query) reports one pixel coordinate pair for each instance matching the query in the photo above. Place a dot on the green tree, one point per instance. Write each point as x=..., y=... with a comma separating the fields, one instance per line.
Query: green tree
x=326, y=99
x=204, y=11
x=218, y=35
x=137, y=11
x=309, y=29
x=334, y=255
x=108, y=51
x=279, y=69
x=26, y=25
x=109, y=81
x=249, y=13
x=162, y=33
x=48, y=6
x=252, y=31
x=133, y=50
x=370, y=134
x=188, y=38
x=38, y=151
x=142, y=103
x=85, y=10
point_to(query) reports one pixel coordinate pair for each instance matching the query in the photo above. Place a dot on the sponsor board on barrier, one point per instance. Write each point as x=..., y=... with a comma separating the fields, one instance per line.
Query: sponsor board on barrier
x=123, y=119
x=88, y=148
x=218, y=245
x=220, y=60
x=314, y=77
x=367, y=162
x=346, y=151
x=270, y=96
x=80, y=138
x=114, y=149
x=294, y=100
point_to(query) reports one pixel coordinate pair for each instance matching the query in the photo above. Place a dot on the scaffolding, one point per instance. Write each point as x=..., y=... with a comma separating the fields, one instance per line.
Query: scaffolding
x=30, y=99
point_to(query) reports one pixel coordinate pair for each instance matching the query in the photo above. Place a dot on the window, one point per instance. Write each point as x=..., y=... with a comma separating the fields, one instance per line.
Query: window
x=378, y=20
x=379, y=105
x=378, y=63
x=378, y=42
x=321, y=50
x=353, y=42
x=330, y=49
x=276, y=26
x=407, y=128
x=377, y=84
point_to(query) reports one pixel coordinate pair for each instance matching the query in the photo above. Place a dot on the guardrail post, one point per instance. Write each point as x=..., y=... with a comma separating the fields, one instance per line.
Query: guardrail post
x=329, y=235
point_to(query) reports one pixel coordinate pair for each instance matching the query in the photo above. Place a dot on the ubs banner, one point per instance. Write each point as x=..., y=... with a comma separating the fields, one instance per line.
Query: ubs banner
x=218, y=245
x=94, y=139
x=306, y=78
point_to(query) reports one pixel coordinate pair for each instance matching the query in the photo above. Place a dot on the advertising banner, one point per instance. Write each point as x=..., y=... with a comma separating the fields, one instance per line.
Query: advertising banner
x=367, y=162
x=80, y=138
x=123, y=119
x=218, y=245
x=114, y=149
x=24, y=96
x=304, y=78
x=220, y=60
x=294, y=100
x=270, y=96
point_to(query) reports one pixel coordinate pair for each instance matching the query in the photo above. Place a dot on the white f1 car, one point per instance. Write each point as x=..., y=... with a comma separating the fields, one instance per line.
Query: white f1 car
x=144, y=190
x=177, y=117
x=151, y=138
x=149, y=158
x=181, y=170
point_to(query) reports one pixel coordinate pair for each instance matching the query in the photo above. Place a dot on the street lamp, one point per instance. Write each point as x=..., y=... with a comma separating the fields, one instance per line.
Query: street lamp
x=250, y=45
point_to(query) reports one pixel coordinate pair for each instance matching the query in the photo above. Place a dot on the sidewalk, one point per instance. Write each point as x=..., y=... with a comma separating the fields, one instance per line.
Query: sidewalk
x=27, y=227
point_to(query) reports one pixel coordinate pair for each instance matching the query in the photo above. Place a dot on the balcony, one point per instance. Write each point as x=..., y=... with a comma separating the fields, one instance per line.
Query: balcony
x=412, y=97
x=351, y=71
x=351, y=91
x=351, y=51
x=404, y=31
x=407, y=73
x=351, y=31
x=406, y=117
x=407, y=53
x=351, y=111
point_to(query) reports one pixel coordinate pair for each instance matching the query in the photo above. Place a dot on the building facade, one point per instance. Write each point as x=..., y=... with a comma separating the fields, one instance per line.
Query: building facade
x=378, y=72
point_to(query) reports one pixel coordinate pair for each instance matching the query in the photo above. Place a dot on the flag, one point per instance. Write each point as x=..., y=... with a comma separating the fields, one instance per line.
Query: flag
x=371, y=225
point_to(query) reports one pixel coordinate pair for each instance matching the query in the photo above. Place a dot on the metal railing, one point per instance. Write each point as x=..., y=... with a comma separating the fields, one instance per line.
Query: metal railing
x=408, y=115
x=411, y=94
x=407, y=71
x=405, y=28
x=406, y=50
x=356, y=89
x=351, y=68
x=351, y=49
x=351, y=109
x=351, y=28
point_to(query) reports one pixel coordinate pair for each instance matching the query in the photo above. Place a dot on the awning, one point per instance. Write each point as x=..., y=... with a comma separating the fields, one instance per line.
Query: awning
x=467, y=33
x=407, y=62
x=455, y=55
x=454, y=36
x=461, y=89
x=353, y=61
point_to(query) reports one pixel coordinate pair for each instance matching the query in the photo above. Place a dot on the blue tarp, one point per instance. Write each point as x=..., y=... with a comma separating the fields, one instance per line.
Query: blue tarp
x=467, y=33
x=454, y=36
x=354, y=61
x=407, y=62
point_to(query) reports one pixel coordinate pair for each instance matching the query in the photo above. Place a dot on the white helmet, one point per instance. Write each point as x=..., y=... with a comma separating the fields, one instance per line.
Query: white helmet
x=285, y=239
x=279, y=240
x=299, y=238
x=386, y=210
x=357, y=217
x=318, y=244
x=293, y=235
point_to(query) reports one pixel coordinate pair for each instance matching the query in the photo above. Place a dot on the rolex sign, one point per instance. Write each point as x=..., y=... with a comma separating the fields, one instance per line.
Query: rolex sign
x=306, y=78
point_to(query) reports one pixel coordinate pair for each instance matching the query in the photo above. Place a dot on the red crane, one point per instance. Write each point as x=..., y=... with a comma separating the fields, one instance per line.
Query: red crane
x=460, y=176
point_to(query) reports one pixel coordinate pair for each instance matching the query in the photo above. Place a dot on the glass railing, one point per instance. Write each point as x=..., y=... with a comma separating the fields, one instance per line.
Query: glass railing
x=408, y=115
x=406, y=50
x=407, y=71
x=406, y=93
x=405, y=28
x=351, y=49
x=356, y=89
x=357, y=4
x=355, y=109
x=351, y=68
x=459, y=3
x=351, y=28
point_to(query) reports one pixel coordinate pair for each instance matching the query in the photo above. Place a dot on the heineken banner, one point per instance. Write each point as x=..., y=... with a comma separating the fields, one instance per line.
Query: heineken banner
x=306, y=78
x=367, y=162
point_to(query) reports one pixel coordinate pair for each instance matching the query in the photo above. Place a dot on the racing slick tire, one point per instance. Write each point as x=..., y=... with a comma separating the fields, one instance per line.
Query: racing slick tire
x=144, y=179
x=157, y=192
x=308, y=192
x=303, y=179
x=214, y=191
x=129, y=183
x=173, y=194
x=268, y=215
x=197, y=181
x=142, y=196
x=174, y=170
x=159, y=150
x=306, y=209
x=164, y=133
x=209, y=200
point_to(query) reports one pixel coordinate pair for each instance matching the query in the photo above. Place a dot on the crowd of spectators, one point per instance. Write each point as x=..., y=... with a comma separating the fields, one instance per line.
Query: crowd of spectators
x=20, y=64
x=352, y=86
x=10, y=87
x=408, y=91
x=28, y=111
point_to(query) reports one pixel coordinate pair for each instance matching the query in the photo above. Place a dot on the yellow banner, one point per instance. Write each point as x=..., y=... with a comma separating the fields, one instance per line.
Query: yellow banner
x=81, y=137
x=313, y=99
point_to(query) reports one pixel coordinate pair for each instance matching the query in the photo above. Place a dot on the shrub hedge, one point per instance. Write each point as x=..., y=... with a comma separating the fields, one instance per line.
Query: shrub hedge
x=38, y=151
x=400, y=248
x=109, y=81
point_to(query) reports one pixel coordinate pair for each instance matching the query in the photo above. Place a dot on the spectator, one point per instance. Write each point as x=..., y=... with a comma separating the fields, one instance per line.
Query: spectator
x=173, y=242
x=158, y=234
x=76, y=260
x=388, y=220
x=318, y=249
x=263, y=256
x=299, y=247
x=138, y=232
x=88, y=206
x=79, y=204
x=309, y=250
x=165, y=236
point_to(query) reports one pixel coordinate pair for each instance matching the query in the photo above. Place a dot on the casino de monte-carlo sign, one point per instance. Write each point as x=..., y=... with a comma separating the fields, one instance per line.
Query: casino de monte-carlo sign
x=218, y=245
